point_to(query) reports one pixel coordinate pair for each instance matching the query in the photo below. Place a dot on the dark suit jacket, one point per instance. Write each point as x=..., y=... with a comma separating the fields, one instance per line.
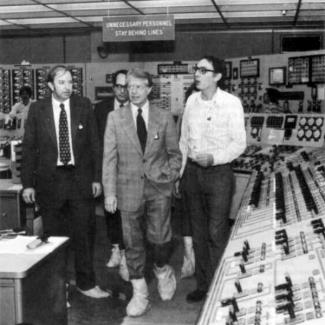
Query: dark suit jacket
x=101, y=111
x=40, y=149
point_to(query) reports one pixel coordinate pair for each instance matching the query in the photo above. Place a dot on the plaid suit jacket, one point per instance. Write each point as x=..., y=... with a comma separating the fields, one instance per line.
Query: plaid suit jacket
x=125, y=166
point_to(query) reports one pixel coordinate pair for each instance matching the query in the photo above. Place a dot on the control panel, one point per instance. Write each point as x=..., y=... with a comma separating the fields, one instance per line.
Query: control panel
x=285, y=129
x=273, y=269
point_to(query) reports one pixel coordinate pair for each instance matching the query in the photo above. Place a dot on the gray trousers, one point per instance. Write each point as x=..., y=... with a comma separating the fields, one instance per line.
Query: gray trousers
x=150, y=222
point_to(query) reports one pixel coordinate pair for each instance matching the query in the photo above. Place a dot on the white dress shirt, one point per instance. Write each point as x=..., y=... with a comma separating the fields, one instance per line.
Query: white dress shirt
x=145, y=113
x=56, y=113
x=117, y=104
x=214, y=127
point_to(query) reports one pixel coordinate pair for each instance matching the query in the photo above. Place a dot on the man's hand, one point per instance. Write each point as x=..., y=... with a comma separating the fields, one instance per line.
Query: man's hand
x=29, y=195
x=97, y=189
x=110, y=204
x=204, y=159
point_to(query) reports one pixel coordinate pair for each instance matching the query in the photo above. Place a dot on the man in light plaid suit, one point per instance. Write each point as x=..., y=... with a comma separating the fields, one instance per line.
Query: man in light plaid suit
x=140, y=166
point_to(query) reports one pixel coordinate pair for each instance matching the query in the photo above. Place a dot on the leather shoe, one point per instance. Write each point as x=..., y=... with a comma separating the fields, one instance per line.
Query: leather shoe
x=196, y=296
x=95, y=292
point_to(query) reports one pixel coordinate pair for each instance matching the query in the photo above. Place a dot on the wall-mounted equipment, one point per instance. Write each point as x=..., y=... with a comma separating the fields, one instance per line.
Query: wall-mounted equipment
x=277, y=76
x=228, y=70
x=249, y=68
x=174, y=68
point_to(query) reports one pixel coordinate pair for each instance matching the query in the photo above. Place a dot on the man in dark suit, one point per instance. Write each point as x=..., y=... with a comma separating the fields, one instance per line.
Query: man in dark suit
x=113, y=220
x=61, y=170
x=140, y=166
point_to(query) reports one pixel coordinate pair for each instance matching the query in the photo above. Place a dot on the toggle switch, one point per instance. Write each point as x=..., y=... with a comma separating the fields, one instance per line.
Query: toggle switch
x=238, y=286
x=232, y=314
x=242, y=268
x=244, y=256
x=291, y=311
x=286, y=249
x=235, y=305
x=288, y=279
x=260, y=287
x=246, y=244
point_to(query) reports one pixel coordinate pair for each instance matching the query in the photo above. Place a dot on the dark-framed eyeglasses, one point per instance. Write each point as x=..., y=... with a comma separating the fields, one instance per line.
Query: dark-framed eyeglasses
x=202, y=70
x=121, y=87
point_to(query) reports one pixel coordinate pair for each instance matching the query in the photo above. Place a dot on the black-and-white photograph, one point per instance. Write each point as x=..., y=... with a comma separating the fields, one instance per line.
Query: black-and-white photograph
x=162, y=162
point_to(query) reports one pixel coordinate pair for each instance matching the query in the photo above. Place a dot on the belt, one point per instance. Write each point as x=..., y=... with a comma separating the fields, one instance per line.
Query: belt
x=194, y=163
x=66, y=167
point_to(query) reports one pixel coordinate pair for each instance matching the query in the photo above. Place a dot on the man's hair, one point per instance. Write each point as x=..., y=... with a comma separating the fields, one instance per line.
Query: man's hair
x=140, y=74
x=115, y=74
x=217, y=64
x=55, y=70
x=26, y=89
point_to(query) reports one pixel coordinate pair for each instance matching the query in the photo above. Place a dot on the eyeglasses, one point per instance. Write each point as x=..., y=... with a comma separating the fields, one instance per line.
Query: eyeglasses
x=136, y=87
x=120, y=87
x=202, y=70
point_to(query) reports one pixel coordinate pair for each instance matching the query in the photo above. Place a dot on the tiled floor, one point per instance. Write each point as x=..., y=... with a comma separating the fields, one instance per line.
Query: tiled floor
x=111, y=311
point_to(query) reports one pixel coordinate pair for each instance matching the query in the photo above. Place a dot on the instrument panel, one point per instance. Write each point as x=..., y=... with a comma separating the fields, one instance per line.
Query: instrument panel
x=290, y=129
x=273, y=269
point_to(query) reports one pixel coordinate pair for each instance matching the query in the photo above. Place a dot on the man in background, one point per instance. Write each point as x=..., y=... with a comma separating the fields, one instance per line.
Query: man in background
x=22, y=107
x=141, y=163
x=61, y=170
x=113, y=220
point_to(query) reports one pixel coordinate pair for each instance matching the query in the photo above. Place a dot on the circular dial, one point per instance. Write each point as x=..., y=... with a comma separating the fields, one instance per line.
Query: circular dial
x=319, y=121
x=301, y=133
x=302, y=121
x=309, y=134
x=311, y=121
x=316, y=134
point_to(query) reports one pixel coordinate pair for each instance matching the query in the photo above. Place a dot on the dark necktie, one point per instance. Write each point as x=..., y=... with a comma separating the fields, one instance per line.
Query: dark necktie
x=141, y=130
x=64, y=146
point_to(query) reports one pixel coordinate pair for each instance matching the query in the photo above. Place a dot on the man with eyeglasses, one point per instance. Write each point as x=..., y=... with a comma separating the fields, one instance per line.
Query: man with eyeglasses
x=140, y=166
x=113, y=220
x=212, y=135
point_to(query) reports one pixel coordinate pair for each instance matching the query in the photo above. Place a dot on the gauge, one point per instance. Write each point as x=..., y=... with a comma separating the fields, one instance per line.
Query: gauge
x=319, y=121
x=302, y=121
x=308, y=134
x=316, y=135
x=311, y=121
x=300, y=134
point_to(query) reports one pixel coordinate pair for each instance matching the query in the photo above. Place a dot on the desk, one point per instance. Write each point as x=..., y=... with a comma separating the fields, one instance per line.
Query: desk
x=32, y=282
x=11, y=215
